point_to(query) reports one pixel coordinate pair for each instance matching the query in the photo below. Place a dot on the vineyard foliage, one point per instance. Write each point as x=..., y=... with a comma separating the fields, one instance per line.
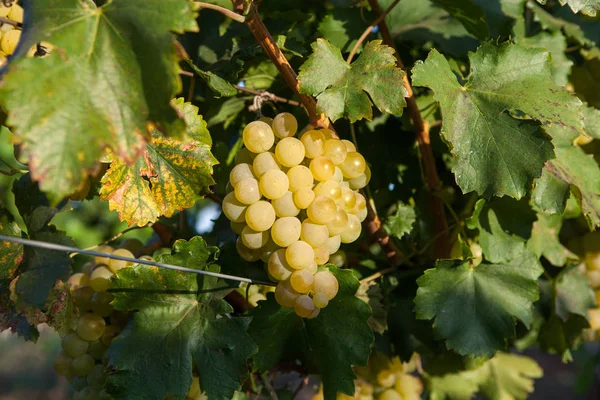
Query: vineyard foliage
x=479, y=121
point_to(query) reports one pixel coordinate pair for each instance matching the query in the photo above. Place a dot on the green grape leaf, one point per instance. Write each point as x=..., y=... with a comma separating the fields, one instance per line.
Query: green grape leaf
x=330, y=344
x=11, y=254
x=371, y=293
x=559, y=337
x=401, y=222
x=171, y=175
x=582, y=173
x=469, y=14
x=592, y=122
x=459, y=386
x=551, y=22
x=508, y=377
x=214, y=81
x=556, y=44
x=497, y=153
x=122, y=54
x=348, y=90
x=550, y=193
x=475, y=308
x=181, y=322
x=587, y=7
x=342, y=27
x=573, y=294
x=544, y=240
x=504, y=226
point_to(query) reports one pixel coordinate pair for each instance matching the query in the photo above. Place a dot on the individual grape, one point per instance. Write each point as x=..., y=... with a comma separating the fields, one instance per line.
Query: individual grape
x=300, y=177
x=101, y=304
x=301, y=281
x=194, y=390
x=312, y=268
x=354, y=165
x=73, y=345
x=285, y=206
x=268, y=249
x=594, y=278
x=314, y=234
x=352, y=231
x=335, y=150
x=333, y=244
x=285, y=295
x=594, y=318
x=247, y=191
x=321, y=210
x=326, y=282
x=321, y=255
x=338, y=176
x=362, y=180
x=338, y=224
x=286, y=231
x=100, y=259
x=304, y=306
x=4, y=10
x=265, y=162
x=410, y=387
x=284, y=125
x=132, y=244
x=234, y=209
x=258, y=137
x=314, y=143
x=278, y=266
x=267, y=120
x=100, y=279
x=348, y=199
x=386, y=378
x=237, y=227
x=361, y=203
x=338, y=258
x=592, y=260
x=329, y=189
x=78, y=280
x=329, y=134
x=10, y=40
x=109, y=334
x=82, y=364
x=97, y=350
x=254, y=240
x=90, y=327
x=362, y=215
x=260, y=216
x=240, y=172
x=6, y=28
x=274, y=184
x=289, y=151
x=299, y=255
x=320, y=299
x=390, y=394
x=244, y=156
x=322, y=168
x=87, y=393
x=82, y=298
x=89, y=266
x=116, y=265
x=349, y=145
x=62, y=364
x=97, y=377
x=246, y=253
x=304, y=197
x=16, y=13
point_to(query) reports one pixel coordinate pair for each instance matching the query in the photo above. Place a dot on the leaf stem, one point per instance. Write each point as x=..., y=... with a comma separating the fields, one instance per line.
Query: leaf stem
x=369, y=29
x=442, y=248
x=268, y=385
x=228, y=13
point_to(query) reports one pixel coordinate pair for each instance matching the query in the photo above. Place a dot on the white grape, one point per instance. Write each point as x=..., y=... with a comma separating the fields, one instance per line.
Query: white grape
x=254, y=240
x=354, y=165
x=258, y=137
x=304, y=306
x=329, y=189
x=320, y=299
x=333, y=244
x=240, y=172
x=274, y=184
x=335, y=150
x=352, y=231
x=321, y=255
x=244, y=156
x=285, y=295
x=286, y=231
x=304, y=197
x=278, y=266
x=314, y=143
x=260, y=216
x=300, y=177
x=284, y=125
x=234, y=209
x=247, y=191
x=289, y=151
x=322, y=168
x=314, y=234
x=325, y=282
x=285, y=206
x=349, y=145
x=300, y=255
x=265, y=162
x=338, y=224
x=246, y=253
x=321, y=210
x=301, y=281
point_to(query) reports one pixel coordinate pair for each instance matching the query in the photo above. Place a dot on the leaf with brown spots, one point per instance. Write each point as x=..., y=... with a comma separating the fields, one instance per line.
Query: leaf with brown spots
x=170, y=175
x=11, y=254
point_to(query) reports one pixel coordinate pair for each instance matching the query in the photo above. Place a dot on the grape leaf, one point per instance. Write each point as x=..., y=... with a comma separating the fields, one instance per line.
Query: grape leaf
x=550, y=194
x=457, y=386
x=171, y=175
x=592, y=122
x=113, y=69
x=496, y=153
x=469, y=14
x=347, y=90
x=556, y=44
x=587, y=7
x=508, y=377
x=180, y=323
x=573, y=294
x=544, y=240
x=572, y=30
x=401, y=222
x=328, y=344
x=342, y=27
x=475, y=308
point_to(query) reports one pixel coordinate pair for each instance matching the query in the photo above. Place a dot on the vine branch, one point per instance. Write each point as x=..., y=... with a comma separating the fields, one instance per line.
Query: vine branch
x=228, y=13
x=421, y=128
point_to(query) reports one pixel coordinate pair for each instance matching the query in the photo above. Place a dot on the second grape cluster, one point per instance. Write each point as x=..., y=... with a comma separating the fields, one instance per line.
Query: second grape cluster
x=293, y=201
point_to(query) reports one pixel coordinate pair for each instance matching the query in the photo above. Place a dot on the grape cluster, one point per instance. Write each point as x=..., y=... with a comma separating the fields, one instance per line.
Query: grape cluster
x=9, y=34
x=591, y=249
x=82, y=359
x=293, y=201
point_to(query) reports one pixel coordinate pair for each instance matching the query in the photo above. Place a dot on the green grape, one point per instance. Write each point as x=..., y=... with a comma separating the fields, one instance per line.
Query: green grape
x=386, y=378
x=284, y=125
x=362, y=180
x=285, y=206
x=82, y=297
x=278, y=266
x=361, y=203
x=78, y=280
x=299, y=177
x=335, y=150
x=244, y=156
x=321, y=255
x=337, y=175
x=132, y=244
x=109, y=334
x=96, y=378
x=100, y=279
x=265, y=162
x=241, y=172
x=254, y=240
x=354, y=165
x=314, y=143
x=592, y=260
x=267, y=120
x=97, y=350
x=73, y=345
x=237, y=227
x=234, y=209
x=322, y=168
x=258, y=137
x=10, y=40
x=260, y=216
x=88, y=267
x=90, y=327
x=285, y=295
x=82, y=364
x=62, y=364
x=314, y=234
x=325, y=282
x=299, y=255
x=16, y=13
x=116, y=265
x=338, y=224
x=246, y=253
x=352, y=231
x=304, y=306
x=329, y=189
x=322, y=210
x=274, y=184
x=338, y=258
x=286, y=231
x=304, y=197
x=594, y=318
x=410, y=387
x=362, y=215
x=4, y=10
x=349, y=145
x=103, y=260
x=390, y=394
x=268, y=249
x=289, y=151
x=320, y=299
x=101, y=304
x=301, y=281
x=333, y=244
x=312, y=268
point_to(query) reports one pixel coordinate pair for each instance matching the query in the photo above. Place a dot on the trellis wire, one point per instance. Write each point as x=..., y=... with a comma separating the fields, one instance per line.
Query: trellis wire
x=69, y=249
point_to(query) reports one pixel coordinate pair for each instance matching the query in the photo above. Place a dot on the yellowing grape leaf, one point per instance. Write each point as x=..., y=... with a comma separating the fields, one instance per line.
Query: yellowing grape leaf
x=171, y=174
x=113, y=69
x=496, y=152
x=587, y=7
x=347, y=90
